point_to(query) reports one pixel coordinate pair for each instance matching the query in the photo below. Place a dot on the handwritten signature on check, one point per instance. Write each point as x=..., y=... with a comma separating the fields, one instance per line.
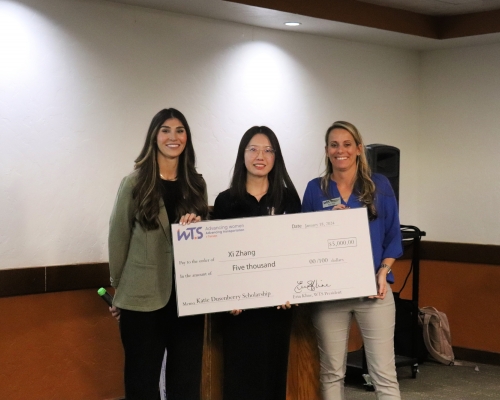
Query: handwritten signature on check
x=310, y=285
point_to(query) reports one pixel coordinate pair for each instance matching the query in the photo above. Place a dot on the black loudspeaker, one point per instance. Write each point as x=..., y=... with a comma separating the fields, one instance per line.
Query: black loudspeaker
x=384, y=160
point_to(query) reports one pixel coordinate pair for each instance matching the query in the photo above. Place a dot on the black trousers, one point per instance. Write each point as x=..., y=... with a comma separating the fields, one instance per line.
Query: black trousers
x=256, y=344
x=145, y=335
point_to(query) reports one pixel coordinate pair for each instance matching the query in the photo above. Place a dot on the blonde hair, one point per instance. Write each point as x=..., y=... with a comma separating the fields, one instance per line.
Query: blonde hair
x=363, y=185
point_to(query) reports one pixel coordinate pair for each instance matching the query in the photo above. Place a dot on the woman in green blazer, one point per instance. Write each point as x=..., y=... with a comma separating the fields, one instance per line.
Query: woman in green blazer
x=164, y=188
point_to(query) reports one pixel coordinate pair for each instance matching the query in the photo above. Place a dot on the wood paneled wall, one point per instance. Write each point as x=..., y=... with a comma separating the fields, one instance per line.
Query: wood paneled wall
x=65, y=345
x=467, y=293
x=57, y=346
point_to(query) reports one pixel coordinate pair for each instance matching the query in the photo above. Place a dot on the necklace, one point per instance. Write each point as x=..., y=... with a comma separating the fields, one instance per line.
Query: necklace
x=168, y=179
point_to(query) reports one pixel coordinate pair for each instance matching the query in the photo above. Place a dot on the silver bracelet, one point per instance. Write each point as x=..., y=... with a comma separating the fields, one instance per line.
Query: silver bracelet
x=388, y=267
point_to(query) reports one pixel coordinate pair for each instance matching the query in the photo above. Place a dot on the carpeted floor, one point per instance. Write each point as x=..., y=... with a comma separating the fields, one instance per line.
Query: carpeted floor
x=437, y=381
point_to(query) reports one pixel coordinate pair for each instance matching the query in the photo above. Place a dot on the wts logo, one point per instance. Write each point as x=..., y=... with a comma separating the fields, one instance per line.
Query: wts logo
x=190, y=233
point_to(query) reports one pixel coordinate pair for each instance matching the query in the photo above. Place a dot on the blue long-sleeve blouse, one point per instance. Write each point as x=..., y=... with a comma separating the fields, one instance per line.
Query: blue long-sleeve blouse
x=385, y=231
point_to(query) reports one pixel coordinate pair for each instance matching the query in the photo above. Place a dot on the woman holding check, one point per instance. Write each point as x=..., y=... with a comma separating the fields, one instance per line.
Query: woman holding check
x=256, y=341
x=348, y=183
x=164, y=188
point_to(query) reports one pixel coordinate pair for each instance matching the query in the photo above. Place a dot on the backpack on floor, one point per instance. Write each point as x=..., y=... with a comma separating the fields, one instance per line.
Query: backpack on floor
x=437, y=335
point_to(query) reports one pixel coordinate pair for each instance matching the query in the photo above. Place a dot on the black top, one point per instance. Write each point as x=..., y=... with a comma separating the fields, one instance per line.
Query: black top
x=171, y=193
x=226, y=206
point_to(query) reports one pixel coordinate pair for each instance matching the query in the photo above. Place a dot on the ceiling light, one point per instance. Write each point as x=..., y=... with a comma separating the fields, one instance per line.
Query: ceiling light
x=292, y=23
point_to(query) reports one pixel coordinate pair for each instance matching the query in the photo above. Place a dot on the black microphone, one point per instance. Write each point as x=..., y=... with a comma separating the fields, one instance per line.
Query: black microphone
x=105, y=296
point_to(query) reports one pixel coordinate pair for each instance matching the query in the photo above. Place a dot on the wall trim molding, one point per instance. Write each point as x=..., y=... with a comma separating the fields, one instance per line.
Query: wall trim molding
x=23, y=281
x=460, y=252
x=476, y=356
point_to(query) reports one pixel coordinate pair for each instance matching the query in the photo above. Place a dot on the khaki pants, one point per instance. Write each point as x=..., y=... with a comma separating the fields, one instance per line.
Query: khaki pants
x=376, y=320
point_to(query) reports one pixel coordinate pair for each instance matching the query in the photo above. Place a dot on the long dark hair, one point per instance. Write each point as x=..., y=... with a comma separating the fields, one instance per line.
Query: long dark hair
x=147, y=191
x=279, y=180
x=364, y=186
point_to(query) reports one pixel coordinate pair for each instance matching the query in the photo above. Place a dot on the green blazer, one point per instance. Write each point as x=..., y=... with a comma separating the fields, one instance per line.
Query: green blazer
x=140, y=261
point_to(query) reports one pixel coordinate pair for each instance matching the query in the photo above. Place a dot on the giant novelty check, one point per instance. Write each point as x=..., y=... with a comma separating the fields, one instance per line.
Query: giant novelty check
x=266, y=261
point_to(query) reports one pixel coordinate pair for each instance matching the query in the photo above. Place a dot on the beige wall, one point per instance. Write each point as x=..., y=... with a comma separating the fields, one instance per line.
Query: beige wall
x=86, y=77
x=459, y=145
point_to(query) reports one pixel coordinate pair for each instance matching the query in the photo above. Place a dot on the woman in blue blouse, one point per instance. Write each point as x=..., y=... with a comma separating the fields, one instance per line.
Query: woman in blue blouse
x=348, y=183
